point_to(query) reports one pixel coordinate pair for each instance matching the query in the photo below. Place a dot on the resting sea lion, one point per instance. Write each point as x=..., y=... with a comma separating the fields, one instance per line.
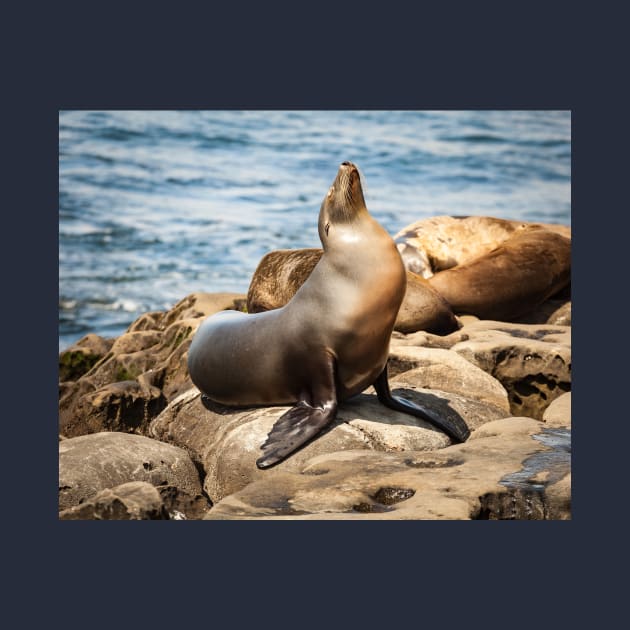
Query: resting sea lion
x=330, y=341
x=513, y=278
x=282, y=272
x=443, y=242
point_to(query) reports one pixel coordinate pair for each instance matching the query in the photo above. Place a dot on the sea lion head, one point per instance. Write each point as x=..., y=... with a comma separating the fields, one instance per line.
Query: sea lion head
x=344, y=202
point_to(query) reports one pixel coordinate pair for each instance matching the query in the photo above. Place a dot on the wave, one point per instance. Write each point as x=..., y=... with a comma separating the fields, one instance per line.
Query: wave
x=475, y=138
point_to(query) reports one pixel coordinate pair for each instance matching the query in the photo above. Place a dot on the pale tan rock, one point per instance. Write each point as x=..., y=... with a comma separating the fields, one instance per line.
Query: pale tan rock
x=463, y=481
x=131, y=342
x=561, y=316
x=445, y=370
x=427, y=340
x=558, y=414
x=532, y=362
x=226, y=442
x=200, y=304
x=558, y=497
x=89, y=464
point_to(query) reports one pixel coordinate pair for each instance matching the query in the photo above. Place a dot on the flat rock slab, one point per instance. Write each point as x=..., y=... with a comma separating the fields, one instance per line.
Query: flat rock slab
x=89, y=464
x=511, y=468
x=226, y=442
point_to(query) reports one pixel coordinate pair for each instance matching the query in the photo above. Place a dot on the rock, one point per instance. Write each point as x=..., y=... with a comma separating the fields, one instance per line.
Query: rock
x=131, y=342
x=137, y=373
x=124, y=406
x=198, y=305
x=558, y=499
x=371, y=462
x=133, y=501
x=445, y=370
x=139, y=500
x=147, y=321
x=532, y=362
x=180, y=505
x=428, y=340
x=561, y=316
x=466, y=319
x=553, y=311
x=135, y=353
x=558, y=414
x=169, y=371
x=226, y=442
x=89, y=464
x=79, y=358
x=503, y=464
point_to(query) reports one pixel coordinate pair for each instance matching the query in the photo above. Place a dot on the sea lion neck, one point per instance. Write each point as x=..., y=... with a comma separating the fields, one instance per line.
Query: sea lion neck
x=344, y=203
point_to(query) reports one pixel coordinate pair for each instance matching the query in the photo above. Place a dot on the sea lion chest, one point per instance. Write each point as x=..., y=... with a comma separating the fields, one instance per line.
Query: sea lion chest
x=354, y=296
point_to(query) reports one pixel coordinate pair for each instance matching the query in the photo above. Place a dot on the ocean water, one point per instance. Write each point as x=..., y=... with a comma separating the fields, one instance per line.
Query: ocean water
x=154, y=205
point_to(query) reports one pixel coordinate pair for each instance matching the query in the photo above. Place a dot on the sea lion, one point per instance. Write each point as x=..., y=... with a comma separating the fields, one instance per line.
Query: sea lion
x=282, y=272
x=424, y=308
x=278, y=276
x=443, y=242
x=515, y=277
x=327, y=344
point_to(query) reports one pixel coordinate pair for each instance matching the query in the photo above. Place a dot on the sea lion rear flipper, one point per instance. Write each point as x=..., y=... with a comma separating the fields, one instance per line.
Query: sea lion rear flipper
x=454, y=427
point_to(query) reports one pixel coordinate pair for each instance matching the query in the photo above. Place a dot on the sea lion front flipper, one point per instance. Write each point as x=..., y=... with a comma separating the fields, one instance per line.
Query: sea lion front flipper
x=293, y=429
x=454, y=427
x=307, y=418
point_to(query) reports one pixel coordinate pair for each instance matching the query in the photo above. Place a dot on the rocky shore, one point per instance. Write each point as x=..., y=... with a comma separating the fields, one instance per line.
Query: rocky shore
x=136, y=443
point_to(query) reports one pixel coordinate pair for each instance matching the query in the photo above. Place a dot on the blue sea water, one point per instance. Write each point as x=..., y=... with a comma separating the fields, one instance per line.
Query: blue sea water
x=154, y=205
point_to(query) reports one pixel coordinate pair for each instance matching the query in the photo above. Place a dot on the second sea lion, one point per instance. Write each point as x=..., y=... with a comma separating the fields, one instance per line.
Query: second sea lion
x=282, y=272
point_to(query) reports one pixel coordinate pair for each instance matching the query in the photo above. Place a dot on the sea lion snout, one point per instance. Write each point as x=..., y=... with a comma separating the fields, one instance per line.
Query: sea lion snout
x=348, y=175
x=348, y=169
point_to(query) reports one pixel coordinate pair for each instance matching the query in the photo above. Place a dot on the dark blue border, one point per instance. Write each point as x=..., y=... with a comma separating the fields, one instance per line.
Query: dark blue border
x=341, y=58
